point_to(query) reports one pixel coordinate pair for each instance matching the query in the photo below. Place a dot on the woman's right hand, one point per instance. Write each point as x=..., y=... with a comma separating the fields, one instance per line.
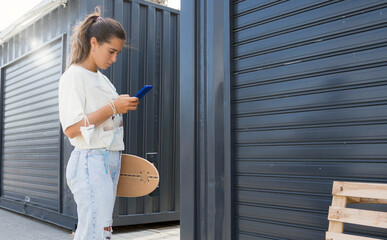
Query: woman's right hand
x=124, y=103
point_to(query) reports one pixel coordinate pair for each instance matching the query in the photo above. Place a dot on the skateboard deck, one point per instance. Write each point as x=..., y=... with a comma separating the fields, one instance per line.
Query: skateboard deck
x=138, y=177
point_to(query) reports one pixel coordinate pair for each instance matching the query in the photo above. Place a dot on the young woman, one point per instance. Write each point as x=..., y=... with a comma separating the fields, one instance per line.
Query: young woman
x=90, y=113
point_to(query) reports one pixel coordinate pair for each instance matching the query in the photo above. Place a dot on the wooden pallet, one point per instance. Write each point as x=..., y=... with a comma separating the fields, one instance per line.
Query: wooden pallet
x=354, y=192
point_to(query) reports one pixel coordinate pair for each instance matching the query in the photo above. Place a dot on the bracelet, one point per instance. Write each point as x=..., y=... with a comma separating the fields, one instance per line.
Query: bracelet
x=113, y=108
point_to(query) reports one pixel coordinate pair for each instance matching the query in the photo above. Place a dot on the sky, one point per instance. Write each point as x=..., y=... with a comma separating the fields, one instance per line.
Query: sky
x=10, y=11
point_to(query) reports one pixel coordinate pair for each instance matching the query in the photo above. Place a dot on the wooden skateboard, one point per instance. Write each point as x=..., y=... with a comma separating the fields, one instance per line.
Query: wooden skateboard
x=138, y=177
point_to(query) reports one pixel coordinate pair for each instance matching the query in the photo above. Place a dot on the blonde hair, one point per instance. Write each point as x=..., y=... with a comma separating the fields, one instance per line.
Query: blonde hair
x=103, y=29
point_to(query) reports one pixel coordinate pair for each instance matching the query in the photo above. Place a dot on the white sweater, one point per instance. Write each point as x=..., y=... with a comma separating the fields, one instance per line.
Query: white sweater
x=82, y=92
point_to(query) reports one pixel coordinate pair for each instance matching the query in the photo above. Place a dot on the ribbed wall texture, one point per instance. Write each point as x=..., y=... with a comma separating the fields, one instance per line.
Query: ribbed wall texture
x=309, y=107
x=152, y=59
x=34, y=164
x=19, y=48
x=31, y=136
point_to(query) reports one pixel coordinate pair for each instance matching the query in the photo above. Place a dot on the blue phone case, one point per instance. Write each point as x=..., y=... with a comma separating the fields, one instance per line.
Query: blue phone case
x=143, y=91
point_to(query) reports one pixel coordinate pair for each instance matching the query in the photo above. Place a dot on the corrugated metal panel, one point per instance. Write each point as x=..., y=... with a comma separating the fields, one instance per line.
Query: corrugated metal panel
x=50, y=28
x=31, y=137
x=151, y=131
x=148, y=62
x=309, y=107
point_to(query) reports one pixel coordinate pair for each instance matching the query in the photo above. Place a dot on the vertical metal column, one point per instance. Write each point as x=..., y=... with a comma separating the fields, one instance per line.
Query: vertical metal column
x=205, y=121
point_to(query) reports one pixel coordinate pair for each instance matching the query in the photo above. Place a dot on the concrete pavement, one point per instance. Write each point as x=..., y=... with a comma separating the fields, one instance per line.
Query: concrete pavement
x=14, y=226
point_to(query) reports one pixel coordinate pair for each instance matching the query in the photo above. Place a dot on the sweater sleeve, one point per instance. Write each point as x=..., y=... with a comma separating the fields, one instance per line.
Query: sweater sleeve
x=72, y=99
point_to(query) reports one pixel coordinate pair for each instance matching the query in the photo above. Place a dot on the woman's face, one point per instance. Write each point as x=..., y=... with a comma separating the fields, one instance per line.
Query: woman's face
x=105, y=54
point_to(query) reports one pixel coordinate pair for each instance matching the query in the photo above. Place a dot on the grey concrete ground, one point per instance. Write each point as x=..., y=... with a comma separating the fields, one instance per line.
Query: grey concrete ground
x=14, y=226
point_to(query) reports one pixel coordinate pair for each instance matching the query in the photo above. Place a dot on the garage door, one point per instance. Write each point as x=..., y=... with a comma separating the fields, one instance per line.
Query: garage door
x=309, y=107
x=31, y=137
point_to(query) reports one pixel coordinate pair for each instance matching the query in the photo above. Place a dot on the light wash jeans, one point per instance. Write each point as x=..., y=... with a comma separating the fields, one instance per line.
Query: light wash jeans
x=94, y=191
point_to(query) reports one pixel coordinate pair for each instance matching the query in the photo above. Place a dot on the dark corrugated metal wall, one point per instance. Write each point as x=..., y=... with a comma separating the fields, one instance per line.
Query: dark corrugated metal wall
x=151, y=131
x=309, y=107
x=31, y=153
x=60, y=210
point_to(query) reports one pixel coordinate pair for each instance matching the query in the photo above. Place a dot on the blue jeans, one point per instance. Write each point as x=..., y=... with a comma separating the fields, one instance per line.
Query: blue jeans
x=94, y=191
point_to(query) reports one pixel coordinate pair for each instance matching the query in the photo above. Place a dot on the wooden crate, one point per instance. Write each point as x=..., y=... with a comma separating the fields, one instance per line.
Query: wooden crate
x=354, y=192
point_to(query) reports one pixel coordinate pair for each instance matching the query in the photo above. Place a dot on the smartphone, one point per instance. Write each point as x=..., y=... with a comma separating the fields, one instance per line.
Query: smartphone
x=143, y=91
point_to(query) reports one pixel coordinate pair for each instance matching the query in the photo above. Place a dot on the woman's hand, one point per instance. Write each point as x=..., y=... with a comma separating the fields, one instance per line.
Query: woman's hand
x=124, y=103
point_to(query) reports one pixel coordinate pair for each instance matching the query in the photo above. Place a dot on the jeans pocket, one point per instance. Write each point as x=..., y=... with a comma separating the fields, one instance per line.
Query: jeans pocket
x=72, y=166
